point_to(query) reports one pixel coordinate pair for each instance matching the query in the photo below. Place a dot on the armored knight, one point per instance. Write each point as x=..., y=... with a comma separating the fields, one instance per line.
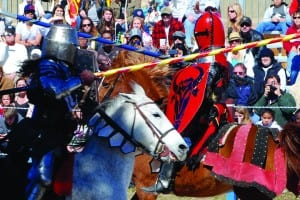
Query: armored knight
x=196, y=87
x=57, y=90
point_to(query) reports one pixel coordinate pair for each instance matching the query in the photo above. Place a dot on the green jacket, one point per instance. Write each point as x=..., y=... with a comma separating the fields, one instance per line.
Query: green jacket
x=282, y=115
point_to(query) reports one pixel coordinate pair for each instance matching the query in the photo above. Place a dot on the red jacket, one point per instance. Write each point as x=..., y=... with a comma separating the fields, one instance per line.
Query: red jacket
x=159, y=31
x=287, y=45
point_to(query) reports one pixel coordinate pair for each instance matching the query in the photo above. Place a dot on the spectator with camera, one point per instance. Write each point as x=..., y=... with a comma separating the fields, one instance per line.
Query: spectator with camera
x=268, y=65
x=283, y=104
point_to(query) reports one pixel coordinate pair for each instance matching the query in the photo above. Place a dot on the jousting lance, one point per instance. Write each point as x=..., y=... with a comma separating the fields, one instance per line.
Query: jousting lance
x=197, y=55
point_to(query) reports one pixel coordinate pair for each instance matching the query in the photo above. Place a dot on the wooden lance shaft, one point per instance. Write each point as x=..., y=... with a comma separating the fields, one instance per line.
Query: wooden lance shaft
x=197, y=55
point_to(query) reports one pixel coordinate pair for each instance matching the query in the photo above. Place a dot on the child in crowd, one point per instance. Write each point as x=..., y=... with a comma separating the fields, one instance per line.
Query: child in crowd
x=267, y=119
x=242, y=115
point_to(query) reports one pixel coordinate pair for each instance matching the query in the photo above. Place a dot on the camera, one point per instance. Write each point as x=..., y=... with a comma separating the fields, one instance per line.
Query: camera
x=272, y=94
x=272, y=88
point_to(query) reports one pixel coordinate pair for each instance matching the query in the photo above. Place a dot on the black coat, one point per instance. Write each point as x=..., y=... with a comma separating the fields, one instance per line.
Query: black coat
x=259, y=75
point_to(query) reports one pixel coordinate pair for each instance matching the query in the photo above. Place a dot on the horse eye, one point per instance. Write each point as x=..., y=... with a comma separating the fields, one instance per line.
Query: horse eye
x=156, y=115
x=105, y=84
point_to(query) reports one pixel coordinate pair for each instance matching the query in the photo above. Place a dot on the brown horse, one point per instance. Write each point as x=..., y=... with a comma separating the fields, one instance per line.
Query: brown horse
x=204, y=181
x=198, y=182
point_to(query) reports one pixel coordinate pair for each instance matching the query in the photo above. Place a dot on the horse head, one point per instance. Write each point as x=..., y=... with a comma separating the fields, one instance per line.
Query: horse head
x=134, y=120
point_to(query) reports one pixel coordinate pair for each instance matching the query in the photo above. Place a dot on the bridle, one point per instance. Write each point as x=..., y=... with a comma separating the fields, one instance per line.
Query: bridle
x=159, y=147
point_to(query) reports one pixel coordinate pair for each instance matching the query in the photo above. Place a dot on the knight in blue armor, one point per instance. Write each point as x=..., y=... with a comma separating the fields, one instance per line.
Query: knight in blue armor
x=57, y=88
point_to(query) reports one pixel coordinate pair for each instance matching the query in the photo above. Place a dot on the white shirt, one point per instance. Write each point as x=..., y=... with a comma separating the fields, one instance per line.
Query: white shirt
x=27, y=34
x=12, y=57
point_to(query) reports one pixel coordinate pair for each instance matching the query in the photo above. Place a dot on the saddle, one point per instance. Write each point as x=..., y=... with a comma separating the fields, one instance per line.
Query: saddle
x=255, y=159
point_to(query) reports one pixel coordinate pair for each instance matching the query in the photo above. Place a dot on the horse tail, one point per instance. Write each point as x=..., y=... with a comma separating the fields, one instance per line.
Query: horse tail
x=290, y=142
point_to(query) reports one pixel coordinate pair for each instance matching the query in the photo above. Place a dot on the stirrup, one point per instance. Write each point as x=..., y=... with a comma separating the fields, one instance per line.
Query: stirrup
x=158, y=188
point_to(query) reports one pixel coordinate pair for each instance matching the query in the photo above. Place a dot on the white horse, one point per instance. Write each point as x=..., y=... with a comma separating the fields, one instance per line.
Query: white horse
x=104, y=169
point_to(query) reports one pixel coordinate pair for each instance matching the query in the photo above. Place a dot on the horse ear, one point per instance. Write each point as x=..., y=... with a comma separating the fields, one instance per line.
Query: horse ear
x=137, y=89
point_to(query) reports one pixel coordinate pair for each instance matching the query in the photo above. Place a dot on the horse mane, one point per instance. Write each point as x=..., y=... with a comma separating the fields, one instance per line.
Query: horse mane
x=155, y=80
x=29, y=67
x=290, y=142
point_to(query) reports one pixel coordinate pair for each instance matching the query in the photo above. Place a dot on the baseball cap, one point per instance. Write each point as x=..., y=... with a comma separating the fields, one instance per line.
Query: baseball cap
x=10, y=30
x=179, y=34
x=135, y=32
x=166, y=11
x=29, y=8
x=138, y=13
x=246, y=20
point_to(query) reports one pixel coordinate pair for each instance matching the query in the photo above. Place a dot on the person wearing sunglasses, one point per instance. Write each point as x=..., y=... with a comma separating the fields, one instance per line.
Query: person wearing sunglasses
x=87, y=26
x=241, y=89
x=250, y=35
x=234, y=17
x=241, y=56
x=276, y=18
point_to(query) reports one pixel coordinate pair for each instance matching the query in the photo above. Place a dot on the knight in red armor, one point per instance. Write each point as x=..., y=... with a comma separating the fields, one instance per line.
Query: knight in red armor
x=194, y=97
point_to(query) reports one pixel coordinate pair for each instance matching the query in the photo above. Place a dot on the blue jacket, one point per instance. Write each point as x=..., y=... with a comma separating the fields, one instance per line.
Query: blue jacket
x=243, y=91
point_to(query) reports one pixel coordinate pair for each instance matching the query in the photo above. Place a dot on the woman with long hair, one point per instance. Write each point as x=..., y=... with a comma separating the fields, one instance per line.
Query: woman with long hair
x=234, y=17
x=87, y=26
x=108, y=22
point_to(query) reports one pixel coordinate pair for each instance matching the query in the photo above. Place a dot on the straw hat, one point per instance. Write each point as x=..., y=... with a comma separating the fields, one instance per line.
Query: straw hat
x=234, y=36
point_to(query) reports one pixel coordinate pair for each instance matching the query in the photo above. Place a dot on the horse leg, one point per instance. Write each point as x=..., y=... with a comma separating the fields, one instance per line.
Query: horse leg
x=143, y=177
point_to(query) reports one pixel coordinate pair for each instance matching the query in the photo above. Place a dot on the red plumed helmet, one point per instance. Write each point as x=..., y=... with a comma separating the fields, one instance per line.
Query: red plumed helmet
x=209, y=31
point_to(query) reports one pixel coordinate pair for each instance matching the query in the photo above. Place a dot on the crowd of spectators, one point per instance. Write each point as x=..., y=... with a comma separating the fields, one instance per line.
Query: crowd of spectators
x=166, y=27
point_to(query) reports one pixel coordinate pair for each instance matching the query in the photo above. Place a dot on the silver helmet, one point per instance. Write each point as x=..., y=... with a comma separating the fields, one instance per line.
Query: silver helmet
x=61, y=43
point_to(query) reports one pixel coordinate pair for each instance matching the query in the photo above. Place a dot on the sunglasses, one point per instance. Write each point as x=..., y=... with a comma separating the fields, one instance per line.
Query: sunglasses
x=85, y=25
x=239, y=73
x=178, y=38
x=245, y=24
x=235, y=41
x=231, y=11
x=296, y=17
